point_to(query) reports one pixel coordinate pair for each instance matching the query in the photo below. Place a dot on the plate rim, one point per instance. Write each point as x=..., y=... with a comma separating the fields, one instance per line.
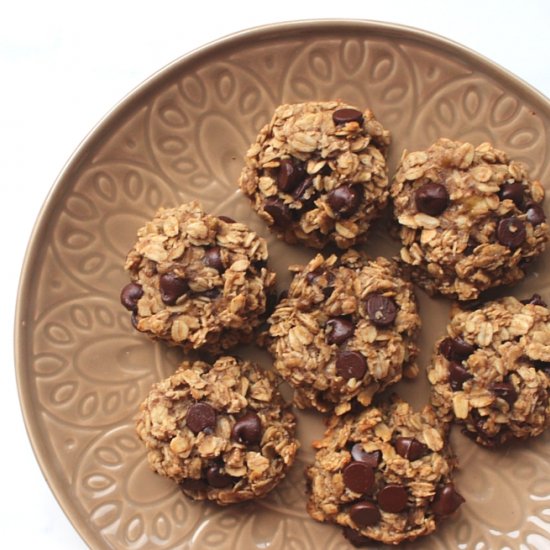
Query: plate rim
x=61, y=184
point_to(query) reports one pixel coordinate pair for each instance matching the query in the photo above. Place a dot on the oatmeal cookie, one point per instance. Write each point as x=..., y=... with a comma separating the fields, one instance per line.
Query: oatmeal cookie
x=345, y=331
x=222, y=431
x=198, y=281
x=317, y=173
x=384, y=475
x=491, y=373
x=470, y=219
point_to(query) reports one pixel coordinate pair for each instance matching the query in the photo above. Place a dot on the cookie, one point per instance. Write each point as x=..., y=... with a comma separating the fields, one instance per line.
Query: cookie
x=345, y=331
x=317, y=173
x=384, y=475
x=222, y=431
x=491, y=372
x=469, y=218
x=197, y=281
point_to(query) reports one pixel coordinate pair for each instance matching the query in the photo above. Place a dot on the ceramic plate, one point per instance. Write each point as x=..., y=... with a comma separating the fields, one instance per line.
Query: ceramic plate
x=83, y=371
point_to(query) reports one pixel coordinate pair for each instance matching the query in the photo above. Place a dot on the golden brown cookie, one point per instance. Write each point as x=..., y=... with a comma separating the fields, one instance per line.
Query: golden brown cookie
x=491, y=373
x=346, y=331
x=469, y=218
x=317, y=173
x=222, y=431
x=384, y=475
x=198, y=281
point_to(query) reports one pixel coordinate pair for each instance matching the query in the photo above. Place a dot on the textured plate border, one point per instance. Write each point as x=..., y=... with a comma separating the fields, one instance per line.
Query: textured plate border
x=102, y=129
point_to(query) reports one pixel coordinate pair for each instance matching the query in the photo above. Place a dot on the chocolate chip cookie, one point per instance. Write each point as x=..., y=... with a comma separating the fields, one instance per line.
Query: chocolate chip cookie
x=222, y=431
x=469, y=218
x=345, y=331
x=384, y=475
x=197, y=281
x=491, y=373
x=317, y=173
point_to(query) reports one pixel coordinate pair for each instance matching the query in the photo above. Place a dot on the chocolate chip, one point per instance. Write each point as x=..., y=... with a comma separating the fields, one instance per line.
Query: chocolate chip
x=356, y=539
x=410, y=448
x=431, y=198
x=279, y=211
x=358, y=477
x=213, y=258
x=513, y=192
x=371, y=459
x=299, y=192
x=446, y=501
x=247, y=429
x=211, y=293
x=458, y=375
x=291, y=173
x=130, y=295
x=350, y=364
x=345, y=200
x=455, y=349
x=393, y=498
x=535, y=300
x=342, y=116
x=364, y=513
x=506, y=391
x=381, y=310
x=134, y=319
x=511, y=232
x=171, y=288
x=338, y=330
x=226, y=219
x=200, y=416
x=217, y=479
x=535, y=214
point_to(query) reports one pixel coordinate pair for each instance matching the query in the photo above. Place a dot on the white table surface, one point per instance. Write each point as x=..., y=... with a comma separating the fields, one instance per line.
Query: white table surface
x=64, y=64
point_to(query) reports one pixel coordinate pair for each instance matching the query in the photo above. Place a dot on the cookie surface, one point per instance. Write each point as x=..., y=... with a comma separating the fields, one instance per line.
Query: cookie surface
x=384, y=475
x=317, y=173
x=198, y=281
x=346, y=331
x=491, y=373
x=223, y=432
x=469, y=218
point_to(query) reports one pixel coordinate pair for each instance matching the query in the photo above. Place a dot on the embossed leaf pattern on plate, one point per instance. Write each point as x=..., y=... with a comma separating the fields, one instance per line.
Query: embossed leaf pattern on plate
x=83, y=371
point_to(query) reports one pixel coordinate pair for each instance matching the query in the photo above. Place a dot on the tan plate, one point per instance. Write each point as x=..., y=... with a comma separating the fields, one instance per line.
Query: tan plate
x=82, y=370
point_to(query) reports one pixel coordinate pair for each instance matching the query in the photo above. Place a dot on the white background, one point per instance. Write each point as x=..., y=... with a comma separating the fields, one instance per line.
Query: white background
x=64, y=64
